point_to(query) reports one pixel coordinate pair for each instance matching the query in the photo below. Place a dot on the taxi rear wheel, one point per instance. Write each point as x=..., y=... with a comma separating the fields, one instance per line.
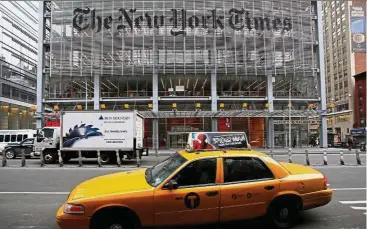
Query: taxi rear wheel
x=283, y=215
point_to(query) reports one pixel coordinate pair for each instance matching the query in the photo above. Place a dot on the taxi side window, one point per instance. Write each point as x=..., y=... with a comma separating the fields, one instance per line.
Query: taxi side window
x=245, y=169
x=197, y=173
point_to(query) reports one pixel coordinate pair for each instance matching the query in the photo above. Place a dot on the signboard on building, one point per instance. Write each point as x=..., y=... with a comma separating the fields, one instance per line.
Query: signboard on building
x=358, y=28
x=359, y=131
x=297, y=122
x=179, y=21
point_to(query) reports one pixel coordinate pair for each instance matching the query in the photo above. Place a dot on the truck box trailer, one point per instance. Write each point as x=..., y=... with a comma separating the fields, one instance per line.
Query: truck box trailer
x=90, y=132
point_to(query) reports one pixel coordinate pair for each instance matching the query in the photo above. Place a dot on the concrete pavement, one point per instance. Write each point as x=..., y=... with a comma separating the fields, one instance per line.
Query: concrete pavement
x=22, y=206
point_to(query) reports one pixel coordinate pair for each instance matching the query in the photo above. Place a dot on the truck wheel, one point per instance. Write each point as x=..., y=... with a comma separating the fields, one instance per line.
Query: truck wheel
x=106, y=158
x=10, y=154
x=49, y=157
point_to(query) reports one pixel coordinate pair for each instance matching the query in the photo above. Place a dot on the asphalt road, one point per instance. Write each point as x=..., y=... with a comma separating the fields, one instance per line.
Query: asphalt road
x=22, y=206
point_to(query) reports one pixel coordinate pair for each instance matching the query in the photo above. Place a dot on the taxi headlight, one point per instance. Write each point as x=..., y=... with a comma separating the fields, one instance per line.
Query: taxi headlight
x=74, y=209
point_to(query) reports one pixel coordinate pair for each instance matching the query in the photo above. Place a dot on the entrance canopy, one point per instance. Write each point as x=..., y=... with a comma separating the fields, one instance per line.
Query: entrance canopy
x=231, y=113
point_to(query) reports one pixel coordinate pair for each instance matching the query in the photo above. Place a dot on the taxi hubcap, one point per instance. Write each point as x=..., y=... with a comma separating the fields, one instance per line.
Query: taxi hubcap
x=283, y=213
x=115, y=226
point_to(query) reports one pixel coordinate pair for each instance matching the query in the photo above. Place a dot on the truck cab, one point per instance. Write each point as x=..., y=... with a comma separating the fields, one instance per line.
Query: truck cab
x=47, y=140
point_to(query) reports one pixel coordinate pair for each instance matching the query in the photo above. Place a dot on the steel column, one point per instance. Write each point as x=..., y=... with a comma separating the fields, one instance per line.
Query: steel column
x=41, y=62
x=270, y=123
x=322, y=85
x=213, y=80
x=155, y=136
x=97, y=91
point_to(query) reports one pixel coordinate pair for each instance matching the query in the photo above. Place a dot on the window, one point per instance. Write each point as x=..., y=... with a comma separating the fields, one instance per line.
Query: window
x=200, y=172
x=346, y=84
x=158, y=173
x=7, y=138
x=28, y=141
x=19, y=138
x=25, y=136
x=1, y=138
x=363, y=123
x=245, y=169
x=13, y=138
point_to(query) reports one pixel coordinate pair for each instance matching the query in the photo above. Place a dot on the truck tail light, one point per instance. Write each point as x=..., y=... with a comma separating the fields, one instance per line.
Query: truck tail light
x=74, y=209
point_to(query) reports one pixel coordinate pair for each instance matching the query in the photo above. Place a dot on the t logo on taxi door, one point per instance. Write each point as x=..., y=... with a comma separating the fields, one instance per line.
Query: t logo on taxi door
x=192, y=200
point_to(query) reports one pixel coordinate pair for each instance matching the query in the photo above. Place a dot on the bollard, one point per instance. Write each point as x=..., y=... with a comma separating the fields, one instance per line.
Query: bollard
x=341, y=157
x=271, y=153
x=307, y=157
x=118, y=159
x=137, y=153
x=42, y=158
x=290, y=155
x=80, y=158
x=61, y=161
x=325, y=157
x=99, y=158
x=23, y=157
x=358, y=157
x=4, y=158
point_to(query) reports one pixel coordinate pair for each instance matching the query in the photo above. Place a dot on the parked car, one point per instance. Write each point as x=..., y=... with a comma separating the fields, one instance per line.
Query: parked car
x=13, y=150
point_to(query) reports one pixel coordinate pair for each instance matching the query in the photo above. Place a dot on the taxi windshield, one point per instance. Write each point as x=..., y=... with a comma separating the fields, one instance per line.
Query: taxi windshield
x=158, y=173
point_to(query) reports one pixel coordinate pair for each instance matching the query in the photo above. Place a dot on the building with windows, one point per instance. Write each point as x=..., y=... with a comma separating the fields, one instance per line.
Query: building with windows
x=18, y=63
x=359, y=129
x=249, y=66
x=345, y=56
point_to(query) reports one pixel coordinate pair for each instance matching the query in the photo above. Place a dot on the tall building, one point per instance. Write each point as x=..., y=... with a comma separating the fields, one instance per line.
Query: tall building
x=18, y=63
x=345, y=56
x=359, y=130
x=187, y=66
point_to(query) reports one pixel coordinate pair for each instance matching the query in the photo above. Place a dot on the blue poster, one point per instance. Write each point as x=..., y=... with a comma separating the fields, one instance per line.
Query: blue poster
x=358, y=28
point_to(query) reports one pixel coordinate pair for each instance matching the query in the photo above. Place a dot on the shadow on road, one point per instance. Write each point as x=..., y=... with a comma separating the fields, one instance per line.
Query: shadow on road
x=307, y=220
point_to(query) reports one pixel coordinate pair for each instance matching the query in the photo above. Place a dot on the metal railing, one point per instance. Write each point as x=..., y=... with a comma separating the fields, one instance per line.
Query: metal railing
x=307, y=155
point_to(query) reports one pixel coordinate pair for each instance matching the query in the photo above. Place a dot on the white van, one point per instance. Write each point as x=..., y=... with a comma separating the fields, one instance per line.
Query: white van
x=15, y=136
x=217, y=140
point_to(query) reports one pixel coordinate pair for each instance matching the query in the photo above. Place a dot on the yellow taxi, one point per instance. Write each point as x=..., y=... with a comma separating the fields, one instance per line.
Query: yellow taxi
x=196, y=187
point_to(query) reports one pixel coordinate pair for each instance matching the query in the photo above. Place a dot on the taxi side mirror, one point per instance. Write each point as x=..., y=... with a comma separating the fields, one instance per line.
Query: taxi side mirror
x=171, y=185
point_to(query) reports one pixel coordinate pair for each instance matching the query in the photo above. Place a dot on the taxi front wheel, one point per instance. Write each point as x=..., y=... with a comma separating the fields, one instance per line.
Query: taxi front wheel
x=113, y=220
x=283, y=215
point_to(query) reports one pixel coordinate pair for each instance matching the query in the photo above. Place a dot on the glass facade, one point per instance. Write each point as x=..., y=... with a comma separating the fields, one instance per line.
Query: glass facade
x=197, y=50
x=18, y=63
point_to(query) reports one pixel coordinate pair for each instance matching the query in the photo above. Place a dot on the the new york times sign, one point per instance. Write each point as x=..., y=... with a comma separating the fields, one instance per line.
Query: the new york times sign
x=179, y=21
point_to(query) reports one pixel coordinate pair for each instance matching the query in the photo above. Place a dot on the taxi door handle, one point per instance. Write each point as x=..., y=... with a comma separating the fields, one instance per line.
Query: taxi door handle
x=212, y=193
x=269, y=187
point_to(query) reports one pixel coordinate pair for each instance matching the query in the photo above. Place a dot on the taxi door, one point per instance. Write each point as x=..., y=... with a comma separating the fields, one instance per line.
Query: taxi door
x=248, y=188
x=196, y=199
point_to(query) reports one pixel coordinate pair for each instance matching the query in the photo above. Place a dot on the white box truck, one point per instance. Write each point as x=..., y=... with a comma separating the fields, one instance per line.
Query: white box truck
x=93, y=131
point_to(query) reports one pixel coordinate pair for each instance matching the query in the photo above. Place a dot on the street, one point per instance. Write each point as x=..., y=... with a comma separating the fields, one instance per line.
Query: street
x=30, y=196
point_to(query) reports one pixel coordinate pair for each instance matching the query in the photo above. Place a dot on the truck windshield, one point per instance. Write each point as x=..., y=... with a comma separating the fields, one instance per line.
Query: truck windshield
x=47, y=133
x=158, y=173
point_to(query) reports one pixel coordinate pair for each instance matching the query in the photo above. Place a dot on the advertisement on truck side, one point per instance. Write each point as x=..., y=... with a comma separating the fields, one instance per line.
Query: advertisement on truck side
x=100, y=130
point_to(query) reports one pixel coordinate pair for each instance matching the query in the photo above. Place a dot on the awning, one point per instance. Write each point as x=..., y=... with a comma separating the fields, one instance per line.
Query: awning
x=230, y=114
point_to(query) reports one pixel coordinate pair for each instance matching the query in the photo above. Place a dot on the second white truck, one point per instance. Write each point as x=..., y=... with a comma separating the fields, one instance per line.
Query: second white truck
x=91, y=131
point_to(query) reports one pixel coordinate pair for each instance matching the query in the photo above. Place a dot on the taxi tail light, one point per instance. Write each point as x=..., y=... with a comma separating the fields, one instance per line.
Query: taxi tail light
x=74, y=209
x=325, y=182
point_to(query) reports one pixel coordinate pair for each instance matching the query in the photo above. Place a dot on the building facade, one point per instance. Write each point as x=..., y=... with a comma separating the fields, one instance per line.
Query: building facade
x=18, y=63
x=189, y=66
x=344, y=22
x=359, y=129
